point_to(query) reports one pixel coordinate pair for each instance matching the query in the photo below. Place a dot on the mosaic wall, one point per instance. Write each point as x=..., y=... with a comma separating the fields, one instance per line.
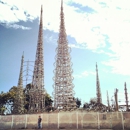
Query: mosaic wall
x=72, y=120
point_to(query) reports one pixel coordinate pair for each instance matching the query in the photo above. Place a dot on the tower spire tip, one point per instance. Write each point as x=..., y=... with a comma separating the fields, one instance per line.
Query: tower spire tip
x=41, y=8
x=96, y=66
x=61, y=3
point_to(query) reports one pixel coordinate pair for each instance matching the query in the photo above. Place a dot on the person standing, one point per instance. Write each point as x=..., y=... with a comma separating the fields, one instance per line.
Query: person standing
x=39, y=122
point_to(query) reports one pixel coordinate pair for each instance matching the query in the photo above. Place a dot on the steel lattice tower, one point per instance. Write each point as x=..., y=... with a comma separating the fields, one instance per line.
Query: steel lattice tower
x=99, y=98
x=63, y=86
x=36, y=93
x=19, y=98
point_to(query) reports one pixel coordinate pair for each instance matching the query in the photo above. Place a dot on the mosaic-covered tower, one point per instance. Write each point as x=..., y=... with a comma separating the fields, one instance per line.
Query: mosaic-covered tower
x=36, y=93
x=63, y=86
x=99, y=97
x=19, y=97
x=126, y=97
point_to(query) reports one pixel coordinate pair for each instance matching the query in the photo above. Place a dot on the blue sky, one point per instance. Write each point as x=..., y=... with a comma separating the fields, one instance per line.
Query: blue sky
x=98, y=31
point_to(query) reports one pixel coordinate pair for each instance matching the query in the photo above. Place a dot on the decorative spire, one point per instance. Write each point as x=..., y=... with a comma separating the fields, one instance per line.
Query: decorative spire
x=63, y=86
x=62, y=24
x=38, y=74
x=41, y=11
x=19, y=97
x=36, y=93
x=62, y=4
x=126, y=96
x=99, y=98
x=116, y=99
x=108, y=101
x=20, y=81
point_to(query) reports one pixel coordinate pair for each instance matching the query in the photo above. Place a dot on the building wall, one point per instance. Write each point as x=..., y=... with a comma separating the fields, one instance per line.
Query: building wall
x=72, y=120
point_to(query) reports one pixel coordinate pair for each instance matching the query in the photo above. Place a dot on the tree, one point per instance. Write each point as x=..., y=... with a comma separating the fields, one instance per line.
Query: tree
x=85, y=105
x=48, y=100
x=94, y=106
x=10, y=99
x=7, y=100
x=93, y=101
x=90, y=106
x=2, y=102
x=78, y=102
x=26, y=94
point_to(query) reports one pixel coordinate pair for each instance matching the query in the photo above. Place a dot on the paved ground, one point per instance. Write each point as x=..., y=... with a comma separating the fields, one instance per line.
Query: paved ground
x=55, y=129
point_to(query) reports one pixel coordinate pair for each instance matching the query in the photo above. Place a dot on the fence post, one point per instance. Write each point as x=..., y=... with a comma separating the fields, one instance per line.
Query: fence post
x=25, y=121
x=82, y=120
x=98, y=120
x=47, y=120
x=58, y=120
x=77, y=119
x=12, y=122
x=122, y=120
x=111, y=121
x=42, y=119
x=117, y=115
x=0, y=117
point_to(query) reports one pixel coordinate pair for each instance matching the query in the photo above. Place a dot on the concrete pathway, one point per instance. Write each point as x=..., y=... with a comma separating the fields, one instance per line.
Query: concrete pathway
x=54, y=129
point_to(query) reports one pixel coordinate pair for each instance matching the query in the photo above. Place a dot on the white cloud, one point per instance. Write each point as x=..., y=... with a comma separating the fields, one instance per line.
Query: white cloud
x=16, y=26
x=120, y=64
x=84, y=74
x=74, y=46
x=14, y=11
x=114, y=21
x=110, y=18
x=6, y=15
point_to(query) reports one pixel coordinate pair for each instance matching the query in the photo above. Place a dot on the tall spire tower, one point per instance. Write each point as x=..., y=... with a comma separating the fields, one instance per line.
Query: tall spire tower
x=108, y=103
x=126, y=97
x=19, y=97
x=99, y=98
x=20, y=81
x=36, y=92
x=63, y=86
